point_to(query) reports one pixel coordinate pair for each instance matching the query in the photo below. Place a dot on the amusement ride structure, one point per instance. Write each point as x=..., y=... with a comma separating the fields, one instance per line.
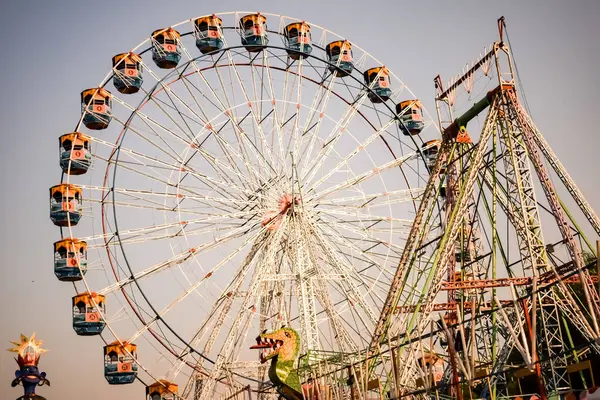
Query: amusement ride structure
x=234, y=185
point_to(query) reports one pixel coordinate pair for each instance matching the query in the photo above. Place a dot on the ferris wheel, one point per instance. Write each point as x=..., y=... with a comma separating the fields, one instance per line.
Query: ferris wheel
x=235, y=173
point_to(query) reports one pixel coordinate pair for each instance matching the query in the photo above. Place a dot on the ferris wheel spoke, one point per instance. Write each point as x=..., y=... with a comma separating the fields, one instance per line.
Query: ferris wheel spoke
x=336, y=133
x=252, y=297
x=322, y=100
x=368, y=258
x=226, y=149
x=373, y=200
x=152, y=123
x=355, y=180
x=366, y=235
x=350, y=156
x=367, y=219
x=136, y=194
x=221, y=307
x=295, y=130
x=203, y=120
x=276, y=119
x=262, y=248
x=240, y=133
x=348, y=270
x=179, y=259
x=187, y=189
x=161, y=315
x=220, y=186
x=256, y=118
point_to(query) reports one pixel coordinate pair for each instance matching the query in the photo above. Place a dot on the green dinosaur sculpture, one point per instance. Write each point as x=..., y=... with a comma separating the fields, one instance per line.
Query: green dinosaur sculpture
x=283, y=345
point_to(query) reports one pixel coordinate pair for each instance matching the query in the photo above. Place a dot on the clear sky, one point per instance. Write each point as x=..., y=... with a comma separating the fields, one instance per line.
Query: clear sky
x=50, y=51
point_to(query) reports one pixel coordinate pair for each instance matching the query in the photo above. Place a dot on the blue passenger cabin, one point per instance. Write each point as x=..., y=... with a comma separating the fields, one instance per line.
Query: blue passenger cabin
x=209, y=33
x=70, y=259
x=88, y=309
x=464, y=246
x=430, y=151
x=127, y=70
x=339, y=53
x=162, y=390
x=297, y=40
x=379, y=80
x=410, y=117
x=96, y=106
x=165, y=48
x=65, y=204
x=253, y=29
x=75, y=156
x=120, y=365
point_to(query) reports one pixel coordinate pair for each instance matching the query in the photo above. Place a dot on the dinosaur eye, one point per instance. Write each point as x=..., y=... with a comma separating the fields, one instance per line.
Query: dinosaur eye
x=288, y=334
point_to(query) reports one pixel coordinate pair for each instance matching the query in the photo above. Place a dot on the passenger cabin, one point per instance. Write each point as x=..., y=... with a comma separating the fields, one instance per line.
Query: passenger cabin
x=65, y=204
x=433, y=370
x=379, y=81
x=464, y=247
x=209, y=33
x=430, y=151
x=75, y=156
x=127, y=68
x=96, y=104
x=120, y=366
x=253, y=29
x=70, y=259
x=297, y=40
x=162, y=390
x=165, y=48
x=88, y=309
x=339, y=53
x=410, y=117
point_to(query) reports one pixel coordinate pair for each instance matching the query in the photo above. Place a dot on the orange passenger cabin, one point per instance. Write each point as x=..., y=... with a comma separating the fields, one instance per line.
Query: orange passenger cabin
x=75, y=153
x=209, y=33
x=410, y=117
x=65, y=204
x=88, y=311
x=162, y=390
x=253, y=30
x=120, y=365
x=378, y=79
x=165, y=48
x=297, y=40
x=70, y=259
x=96, y=105
x=127, y=70
x=339, y=55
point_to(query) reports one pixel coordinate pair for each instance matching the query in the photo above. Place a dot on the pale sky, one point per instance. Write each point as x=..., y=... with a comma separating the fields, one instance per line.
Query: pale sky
x=53, y=50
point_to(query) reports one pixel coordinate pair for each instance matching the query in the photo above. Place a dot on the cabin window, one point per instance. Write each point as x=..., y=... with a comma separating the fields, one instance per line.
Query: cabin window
x=334, y=51
x=57, y=197
x=159, y=38
x=62, y=252
x=293, y=33
x=81, y=307
x=372, y=76
x=248, y=24
x=170, y=41
x=87, y=98
x=113, y=356
x=203, y=26
x=66, y=144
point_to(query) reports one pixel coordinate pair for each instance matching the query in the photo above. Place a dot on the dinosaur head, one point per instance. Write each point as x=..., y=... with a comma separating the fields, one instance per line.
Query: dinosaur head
x=284, y=343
